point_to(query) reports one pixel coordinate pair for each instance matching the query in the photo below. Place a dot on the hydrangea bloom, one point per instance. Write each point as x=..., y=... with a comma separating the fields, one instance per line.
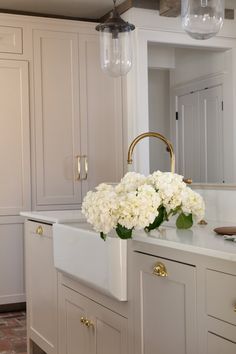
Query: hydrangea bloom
x=140, y=202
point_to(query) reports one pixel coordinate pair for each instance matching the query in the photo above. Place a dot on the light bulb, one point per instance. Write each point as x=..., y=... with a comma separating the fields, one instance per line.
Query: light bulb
x=202, y=19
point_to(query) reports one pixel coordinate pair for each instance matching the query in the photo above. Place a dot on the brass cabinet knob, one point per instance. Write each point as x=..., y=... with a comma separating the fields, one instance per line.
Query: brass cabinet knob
x=83, y=320
x=88, y=324
x=160, y=270
x=39, y=230
x=188, y=180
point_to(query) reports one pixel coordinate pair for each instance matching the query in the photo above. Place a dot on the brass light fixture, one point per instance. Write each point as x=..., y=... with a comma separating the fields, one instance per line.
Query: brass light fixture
x=115, y=44
x=202, y=19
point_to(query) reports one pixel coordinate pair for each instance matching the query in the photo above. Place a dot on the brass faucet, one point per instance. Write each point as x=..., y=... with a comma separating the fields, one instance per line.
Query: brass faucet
x=152, y=135
x=169, y=149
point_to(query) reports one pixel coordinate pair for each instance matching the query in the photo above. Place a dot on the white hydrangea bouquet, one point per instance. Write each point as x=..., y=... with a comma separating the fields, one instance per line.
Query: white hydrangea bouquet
x=140, y=202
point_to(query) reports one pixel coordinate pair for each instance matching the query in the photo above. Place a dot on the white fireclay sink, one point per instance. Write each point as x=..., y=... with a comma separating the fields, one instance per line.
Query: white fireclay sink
x=81, y=253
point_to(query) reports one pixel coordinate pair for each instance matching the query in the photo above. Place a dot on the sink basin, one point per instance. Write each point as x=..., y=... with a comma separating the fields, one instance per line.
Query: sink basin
x=81, y=253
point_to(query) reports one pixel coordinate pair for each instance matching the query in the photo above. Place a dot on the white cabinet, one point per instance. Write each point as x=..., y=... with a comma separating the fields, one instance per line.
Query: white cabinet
x=41, y=287
x=15, y=168
x=165, y=306
x=14, y=137
x=88, y=327
x=78, y=118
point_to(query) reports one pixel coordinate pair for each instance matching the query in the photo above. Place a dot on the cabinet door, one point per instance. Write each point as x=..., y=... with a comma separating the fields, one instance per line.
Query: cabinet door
x=219, y=345
x=105, y=334
x=14, y=137
x=101, y=117
x=41, y=282
x=165, y=307
x=57, y=112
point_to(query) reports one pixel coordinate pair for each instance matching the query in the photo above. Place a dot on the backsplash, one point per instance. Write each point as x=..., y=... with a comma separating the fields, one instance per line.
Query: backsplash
x=220, y=204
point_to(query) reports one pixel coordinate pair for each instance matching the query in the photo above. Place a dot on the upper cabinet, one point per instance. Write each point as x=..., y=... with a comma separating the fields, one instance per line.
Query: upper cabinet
x=78, y=118
x=14, y=137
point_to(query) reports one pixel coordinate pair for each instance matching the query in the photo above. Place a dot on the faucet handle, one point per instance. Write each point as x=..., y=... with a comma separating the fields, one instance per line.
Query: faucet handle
x=188, y=180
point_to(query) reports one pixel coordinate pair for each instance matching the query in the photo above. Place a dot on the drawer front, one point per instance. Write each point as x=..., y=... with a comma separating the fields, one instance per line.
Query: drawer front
x=11, y=40
x=219, y=345
x=40, y=229
x=221, y=296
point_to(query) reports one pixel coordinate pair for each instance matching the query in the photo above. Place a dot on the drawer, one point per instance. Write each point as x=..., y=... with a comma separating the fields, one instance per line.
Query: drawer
x=219, y=345
x=11, y=40
x=221, y=296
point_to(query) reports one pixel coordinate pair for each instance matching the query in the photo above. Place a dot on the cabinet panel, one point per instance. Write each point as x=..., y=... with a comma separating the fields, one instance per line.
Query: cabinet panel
x=41, y=286
x=11, y=264
x=11, y=40
x=221, y=295
x=57, y=127
x=165, y=307
x=107, y=332
x=101, y=113
x=218, y=345
x=14, y=137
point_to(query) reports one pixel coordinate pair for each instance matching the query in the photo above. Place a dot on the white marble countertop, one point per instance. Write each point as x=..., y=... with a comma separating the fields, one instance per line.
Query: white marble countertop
x=200, y=240
x=54, y=216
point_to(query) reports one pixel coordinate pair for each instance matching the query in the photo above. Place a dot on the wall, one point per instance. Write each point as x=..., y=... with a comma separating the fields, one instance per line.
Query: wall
x=192, y=64
x=159, y=117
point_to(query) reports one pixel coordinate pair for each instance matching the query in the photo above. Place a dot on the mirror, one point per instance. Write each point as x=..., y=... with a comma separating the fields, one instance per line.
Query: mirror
x=190, y=96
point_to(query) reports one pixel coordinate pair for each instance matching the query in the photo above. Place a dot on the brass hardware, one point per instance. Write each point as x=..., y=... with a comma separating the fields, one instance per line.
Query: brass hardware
x=188, y=180
x=202, y=222
x=79, y=157
x=89, y=324
x=83, y=320
x=78, y=167
x=39, y=230
x=154, y=135
x=160, y=270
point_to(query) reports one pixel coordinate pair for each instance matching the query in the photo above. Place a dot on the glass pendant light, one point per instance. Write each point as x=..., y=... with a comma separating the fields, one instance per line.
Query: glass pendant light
x=115, y=44
x=202, y=19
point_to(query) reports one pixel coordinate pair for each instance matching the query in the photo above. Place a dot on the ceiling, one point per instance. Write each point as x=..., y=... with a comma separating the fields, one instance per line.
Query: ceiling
x=91, y=9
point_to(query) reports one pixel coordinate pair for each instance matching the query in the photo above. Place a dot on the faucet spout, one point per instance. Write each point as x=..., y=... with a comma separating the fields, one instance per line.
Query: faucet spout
x=152, y=135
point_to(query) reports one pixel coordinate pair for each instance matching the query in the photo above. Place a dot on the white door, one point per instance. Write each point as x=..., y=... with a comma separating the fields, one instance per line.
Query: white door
x=211, y=135
x=188, y=136
x=200, y=135
x=57, y=118
x=14, y=137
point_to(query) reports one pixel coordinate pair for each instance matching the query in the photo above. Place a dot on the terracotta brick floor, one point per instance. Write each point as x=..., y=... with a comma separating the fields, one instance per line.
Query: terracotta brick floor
x=13, y=333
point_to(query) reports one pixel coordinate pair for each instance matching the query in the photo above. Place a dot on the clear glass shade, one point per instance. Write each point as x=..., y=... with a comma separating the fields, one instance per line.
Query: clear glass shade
x=116, y=52
x=202, y=19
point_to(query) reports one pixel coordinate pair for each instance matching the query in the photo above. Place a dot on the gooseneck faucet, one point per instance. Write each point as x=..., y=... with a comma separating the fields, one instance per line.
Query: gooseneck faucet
x=152, y=135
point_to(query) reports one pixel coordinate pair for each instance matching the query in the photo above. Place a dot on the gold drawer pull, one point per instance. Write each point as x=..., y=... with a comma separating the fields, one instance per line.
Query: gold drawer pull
x=160, y=270
x=39, y=230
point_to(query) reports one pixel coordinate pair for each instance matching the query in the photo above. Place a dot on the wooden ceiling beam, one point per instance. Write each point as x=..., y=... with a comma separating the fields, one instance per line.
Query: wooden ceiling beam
x=167, y=8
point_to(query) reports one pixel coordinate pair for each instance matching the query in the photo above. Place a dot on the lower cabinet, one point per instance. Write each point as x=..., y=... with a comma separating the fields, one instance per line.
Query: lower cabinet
x=165, y=306
x=41, y=288
x=86, y=327
x=219, y=345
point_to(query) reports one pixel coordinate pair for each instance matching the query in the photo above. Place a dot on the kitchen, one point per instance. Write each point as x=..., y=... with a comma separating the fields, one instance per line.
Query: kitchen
x=51, y=70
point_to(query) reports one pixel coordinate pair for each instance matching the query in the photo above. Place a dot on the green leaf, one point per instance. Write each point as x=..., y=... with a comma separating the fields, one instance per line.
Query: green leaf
x=184, y=221
x=161, y=217
x=123, y=233
x=103, y=236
